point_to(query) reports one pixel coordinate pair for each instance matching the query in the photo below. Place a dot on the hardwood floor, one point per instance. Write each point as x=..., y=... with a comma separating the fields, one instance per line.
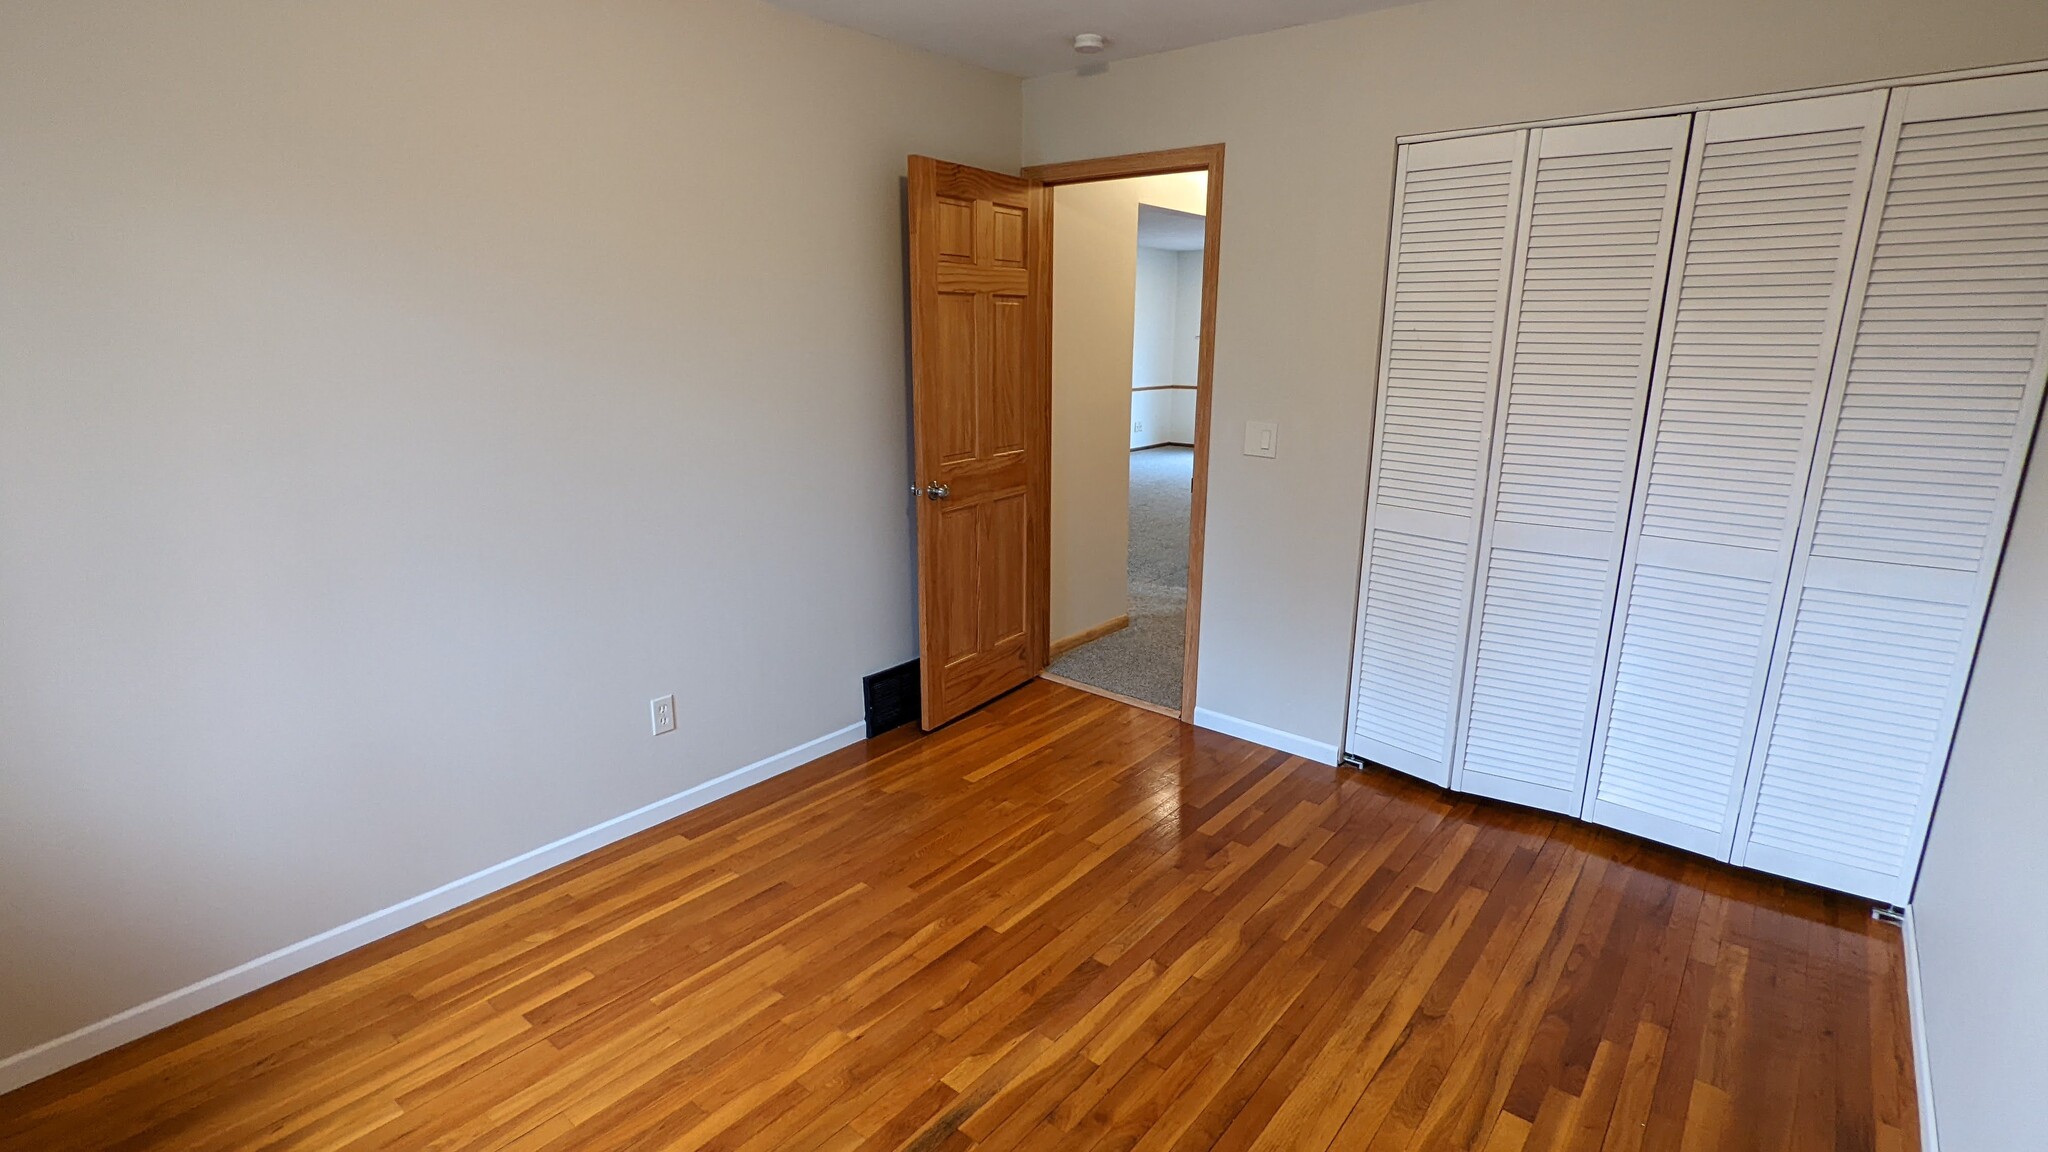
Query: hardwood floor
x=1061, y=923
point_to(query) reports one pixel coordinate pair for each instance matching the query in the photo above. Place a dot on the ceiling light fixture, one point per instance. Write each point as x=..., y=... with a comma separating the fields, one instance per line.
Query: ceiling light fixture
x=1089, y=43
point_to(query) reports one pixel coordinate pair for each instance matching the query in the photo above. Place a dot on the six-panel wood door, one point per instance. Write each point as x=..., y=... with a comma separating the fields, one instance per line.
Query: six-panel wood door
x=1598, y=206
x=1935, y=393
x=1456, y=205
x=978, y=259
x=1766, y=241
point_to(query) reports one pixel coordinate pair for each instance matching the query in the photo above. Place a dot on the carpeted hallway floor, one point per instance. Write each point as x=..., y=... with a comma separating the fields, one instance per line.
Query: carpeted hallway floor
x=1143, y=661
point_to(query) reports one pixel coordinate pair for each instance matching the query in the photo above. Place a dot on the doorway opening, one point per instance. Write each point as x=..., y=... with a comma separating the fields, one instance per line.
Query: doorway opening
x=1129, y=371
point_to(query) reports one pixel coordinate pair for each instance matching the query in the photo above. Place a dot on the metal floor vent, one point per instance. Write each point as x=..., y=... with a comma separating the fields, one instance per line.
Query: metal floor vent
x=892, y=697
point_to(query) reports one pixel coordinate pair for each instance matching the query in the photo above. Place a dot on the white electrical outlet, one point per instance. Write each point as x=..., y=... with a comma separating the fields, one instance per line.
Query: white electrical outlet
x=664, y=710
x=1137, y=427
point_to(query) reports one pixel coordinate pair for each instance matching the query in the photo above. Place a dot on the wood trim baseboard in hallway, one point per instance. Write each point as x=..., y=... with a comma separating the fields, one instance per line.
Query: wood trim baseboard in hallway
x=1110, y=627
x=1061, y=923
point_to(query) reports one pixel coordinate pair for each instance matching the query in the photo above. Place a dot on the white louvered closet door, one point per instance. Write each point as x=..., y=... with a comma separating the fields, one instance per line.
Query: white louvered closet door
x=1456, y=204
x=1935, y=397
x=1599, y=202
x=1766, y=241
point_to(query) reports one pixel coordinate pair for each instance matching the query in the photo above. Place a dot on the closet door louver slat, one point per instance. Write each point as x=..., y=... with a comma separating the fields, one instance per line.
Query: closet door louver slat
x=1598, y=206
x=1456, y=206
x=1936, y=392
x=1766, y=239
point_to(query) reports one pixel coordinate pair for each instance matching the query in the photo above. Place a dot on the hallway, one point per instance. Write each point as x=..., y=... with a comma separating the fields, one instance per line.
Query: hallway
x=1143, y=661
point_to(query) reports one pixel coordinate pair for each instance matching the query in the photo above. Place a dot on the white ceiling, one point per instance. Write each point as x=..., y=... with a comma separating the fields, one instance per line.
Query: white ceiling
x=1165, y=228
x=1036, y=37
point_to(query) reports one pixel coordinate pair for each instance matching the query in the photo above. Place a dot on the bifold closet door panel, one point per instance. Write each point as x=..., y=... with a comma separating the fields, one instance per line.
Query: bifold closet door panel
x=1936, y=392
x=1766, y=241
x=1456, y=204
x=1599, y=202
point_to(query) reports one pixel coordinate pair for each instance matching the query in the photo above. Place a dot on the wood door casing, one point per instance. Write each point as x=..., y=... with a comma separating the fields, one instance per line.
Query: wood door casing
x=979, y=261
x=1206, y=158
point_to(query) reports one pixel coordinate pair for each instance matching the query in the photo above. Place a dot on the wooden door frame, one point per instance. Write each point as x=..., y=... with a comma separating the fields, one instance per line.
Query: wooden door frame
x=1201, y=158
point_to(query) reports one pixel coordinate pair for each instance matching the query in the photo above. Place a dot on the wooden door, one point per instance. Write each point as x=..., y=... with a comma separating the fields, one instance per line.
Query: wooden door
x=979, y=278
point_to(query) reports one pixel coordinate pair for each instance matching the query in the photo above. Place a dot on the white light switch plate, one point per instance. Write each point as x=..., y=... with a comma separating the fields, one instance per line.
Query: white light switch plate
x=1261, y=438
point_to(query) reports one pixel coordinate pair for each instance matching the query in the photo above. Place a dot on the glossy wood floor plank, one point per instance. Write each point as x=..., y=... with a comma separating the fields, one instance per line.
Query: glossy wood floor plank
x=1062, y=922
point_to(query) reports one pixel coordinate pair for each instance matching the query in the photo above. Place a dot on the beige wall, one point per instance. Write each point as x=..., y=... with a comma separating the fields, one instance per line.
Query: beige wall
x=1094, y=294
x=1187, y=321
x=1168, y=416
x=394, y=398
x=1168, y=319
x=1309, y=116
x=1157, y=298
x=1983, y=944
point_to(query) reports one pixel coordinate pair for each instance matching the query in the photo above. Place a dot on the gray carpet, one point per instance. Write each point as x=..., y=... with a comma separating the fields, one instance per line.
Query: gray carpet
x=1144, y=660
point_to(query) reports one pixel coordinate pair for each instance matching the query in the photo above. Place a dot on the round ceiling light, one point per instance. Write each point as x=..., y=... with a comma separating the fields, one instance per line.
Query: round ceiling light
x=1089, y=43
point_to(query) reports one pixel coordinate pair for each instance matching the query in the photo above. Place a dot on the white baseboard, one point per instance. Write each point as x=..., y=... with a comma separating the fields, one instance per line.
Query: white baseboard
x=116, y=1030
x=1287, y=742
x=1923, y=1076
